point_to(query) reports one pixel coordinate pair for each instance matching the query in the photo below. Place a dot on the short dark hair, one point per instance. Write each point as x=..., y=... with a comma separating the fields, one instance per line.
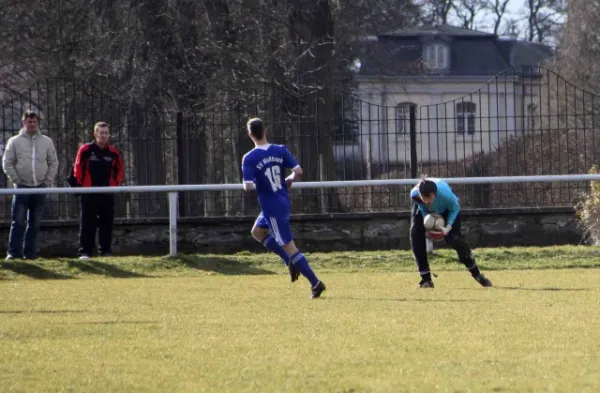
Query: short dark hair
x=30, y=114
x=256, y=127
x=427, y=187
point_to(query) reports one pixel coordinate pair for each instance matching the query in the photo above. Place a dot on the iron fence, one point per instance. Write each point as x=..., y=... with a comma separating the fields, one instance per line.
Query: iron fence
x=521, y=122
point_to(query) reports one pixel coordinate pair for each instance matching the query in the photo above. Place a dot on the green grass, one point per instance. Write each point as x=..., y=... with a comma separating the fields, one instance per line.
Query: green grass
x=246, y=263
x=235, y=324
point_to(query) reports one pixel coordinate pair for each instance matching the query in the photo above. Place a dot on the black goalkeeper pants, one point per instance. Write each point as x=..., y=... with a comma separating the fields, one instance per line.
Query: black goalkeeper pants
x=97, y=213
x=454, y=239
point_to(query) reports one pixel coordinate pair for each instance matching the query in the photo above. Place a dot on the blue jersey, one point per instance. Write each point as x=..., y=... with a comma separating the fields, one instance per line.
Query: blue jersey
x=445, y=201
x=265, y=167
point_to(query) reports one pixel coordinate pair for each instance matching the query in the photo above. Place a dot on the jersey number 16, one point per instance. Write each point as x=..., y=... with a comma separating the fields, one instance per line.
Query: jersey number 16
x=274, y=175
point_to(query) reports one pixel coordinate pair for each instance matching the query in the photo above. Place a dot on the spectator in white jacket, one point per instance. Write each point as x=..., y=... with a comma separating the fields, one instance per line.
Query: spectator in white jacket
x=29, y=161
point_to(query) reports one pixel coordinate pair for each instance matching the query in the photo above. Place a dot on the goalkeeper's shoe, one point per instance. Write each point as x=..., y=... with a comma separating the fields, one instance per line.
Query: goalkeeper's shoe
x=317, y=290
x=294, y=272
x=426, y=284
x=483, y=280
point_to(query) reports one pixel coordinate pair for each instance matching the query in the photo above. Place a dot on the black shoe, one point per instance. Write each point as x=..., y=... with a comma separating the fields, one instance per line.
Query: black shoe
x=317, y=290
x=426, y=284
x=106, y=254
x=294, y=272
x=483, y=280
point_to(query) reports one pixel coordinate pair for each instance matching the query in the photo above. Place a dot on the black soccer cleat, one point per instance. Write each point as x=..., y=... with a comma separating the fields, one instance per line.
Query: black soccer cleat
x=294, y=272
x=483, y=280
x=426, y=284
x=317, y=290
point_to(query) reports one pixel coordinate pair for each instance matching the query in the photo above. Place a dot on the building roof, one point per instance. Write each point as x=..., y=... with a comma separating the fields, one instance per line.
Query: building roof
x=472, y=53
x=437, y=30
x=523, y=53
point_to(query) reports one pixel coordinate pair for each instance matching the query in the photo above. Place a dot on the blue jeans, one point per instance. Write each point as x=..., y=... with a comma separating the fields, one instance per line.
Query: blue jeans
x=30, y=208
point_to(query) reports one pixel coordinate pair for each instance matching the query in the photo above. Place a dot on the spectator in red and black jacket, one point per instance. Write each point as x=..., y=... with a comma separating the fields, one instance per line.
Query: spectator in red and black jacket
x=98, y=164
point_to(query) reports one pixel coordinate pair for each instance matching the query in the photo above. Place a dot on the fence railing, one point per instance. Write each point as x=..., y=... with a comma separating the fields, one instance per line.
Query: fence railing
x=174, y=191
x=522, y=122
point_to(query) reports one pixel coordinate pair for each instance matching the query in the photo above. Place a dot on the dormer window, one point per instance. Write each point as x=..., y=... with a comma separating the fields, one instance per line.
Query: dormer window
x=436, y=56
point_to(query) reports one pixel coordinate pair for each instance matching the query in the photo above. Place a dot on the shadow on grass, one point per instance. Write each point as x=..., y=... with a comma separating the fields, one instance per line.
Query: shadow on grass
x=409, y=300
x=33, y=271
x=547, y=289
x=223, y=266
x=538, y=267
x=117, y=322
x=41, y=311
x=102, y=269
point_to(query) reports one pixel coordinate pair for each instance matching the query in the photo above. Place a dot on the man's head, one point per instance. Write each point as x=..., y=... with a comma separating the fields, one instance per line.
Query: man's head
x=31, y=121
x=256, y=129
x=101, y=133
x=427, y=191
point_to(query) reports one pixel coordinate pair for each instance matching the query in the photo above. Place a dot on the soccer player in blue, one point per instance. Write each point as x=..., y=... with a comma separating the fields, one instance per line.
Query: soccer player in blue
x=263, y=168
x=435, y=196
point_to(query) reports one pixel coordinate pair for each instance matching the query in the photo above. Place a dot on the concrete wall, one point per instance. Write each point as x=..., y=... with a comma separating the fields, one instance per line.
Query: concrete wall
x=375, y=231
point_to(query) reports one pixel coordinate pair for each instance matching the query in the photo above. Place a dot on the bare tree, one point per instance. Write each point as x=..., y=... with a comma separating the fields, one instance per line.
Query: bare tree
x=206, y=59
x=436, y=11
x=467, y=12
x=544, y=19
x=311, y=31
x=512, y=28
x=579, y=57
x=498, y=10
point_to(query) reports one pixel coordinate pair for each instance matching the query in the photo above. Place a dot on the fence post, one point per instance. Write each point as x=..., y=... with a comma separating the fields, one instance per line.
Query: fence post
x=173, y=224
x=413, y=141
x=181, y=162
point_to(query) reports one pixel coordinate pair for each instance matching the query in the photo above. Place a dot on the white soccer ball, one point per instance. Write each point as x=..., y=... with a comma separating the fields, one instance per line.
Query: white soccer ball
x=433, y=222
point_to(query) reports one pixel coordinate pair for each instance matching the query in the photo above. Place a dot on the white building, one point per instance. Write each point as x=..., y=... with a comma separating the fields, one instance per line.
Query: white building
x=470, y=90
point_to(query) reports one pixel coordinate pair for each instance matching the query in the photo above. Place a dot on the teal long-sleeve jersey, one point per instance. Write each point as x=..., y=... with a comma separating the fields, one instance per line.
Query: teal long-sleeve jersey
x=445, y=201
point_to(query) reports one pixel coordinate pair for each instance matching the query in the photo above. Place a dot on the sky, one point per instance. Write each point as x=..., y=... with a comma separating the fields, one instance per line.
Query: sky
x=515, y=9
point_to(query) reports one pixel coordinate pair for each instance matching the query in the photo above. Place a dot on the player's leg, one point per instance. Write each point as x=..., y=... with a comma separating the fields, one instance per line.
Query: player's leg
x=457, y=241
x=260, y=232
x=282, y=230
x=299, y=263
x=419, y=246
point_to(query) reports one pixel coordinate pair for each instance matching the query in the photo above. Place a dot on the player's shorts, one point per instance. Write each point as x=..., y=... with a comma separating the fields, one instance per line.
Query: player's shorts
x=279, y=226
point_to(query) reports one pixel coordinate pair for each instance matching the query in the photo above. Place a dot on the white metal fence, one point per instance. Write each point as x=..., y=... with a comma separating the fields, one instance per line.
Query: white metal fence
x=174, y=190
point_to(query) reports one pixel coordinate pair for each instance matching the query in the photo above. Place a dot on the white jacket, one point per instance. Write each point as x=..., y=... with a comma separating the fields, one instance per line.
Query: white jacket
x=30, y=160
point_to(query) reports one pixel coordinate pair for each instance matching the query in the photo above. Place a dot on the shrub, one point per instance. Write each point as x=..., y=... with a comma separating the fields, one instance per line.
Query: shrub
x=588, y=210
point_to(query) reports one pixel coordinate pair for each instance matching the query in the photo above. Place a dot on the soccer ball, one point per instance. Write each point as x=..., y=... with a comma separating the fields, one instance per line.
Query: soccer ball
x=433, y=222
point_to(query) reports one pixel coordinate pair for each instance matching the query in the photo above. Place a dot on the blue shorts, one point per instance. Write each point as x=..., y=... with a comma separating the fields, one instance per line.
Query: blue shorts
x=279, y=226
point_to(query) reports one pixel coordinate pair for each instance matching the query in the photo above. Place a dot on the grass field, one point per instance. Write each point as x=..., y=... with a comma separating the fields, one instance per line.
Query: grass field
x=235, y=324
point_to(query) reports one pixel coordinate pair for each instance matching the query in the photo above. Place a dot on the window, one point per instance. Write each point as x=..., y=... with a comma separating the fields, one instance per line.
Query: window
x=403, y=118
x=465, y=118
x=436, y=56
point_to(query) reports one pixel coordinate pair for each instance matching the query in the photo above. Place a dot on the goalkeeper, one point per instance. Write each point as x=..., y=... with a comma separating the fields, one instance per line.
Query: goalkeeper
x=435, y=196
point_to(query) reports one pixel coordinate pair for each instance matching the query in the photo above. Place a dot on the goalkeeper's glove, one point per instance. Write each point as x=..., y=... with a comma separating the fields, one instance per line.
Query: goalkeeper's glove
x=446, y=229
x=435, y=235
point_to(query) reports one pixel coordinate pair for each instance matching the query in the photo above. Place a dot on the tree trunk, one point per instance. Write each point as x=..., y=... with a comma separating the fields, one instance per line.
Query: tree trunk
x=311, y=31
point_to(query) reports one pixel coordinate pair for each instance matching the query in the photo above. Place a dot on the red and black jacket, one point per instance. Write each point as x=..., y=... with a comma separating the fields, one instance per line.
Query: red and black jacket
x=98, y=167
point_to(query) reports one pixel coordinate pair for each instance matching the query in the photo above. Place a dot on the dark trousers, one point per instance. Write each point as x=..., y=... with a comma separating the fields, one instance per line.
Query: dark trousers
x=97, y=213
x=454, y=239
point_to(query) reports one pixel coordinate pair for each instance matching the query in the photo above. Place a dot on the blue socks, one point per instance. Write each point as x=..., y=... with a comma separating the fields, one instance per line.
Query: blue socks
x=271, y=244
x=299, y=260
